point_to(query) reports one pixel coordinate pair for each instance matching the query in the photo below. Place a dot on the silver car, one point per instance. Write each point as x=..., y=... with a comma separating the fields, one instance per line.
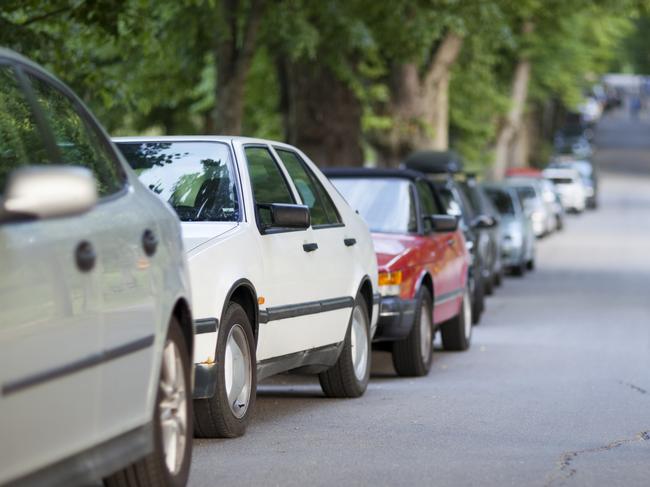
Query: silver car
x=517, y=235
x=541, y=210
x=96, y=332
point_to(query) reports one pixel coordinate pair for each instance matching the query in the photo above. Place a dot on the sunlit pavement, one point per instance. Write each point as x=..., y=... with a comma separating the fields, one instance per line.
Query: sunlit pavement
x=555, y=390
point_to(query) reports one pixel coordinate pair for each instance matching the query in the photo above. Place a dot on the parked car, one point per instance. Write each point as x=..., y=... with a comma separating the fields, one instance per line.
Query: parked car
x=440, y=168
x=587, y=173
x=570, y=187
x=97, y=333
x=423, y=264
x=283, y=272
x=481, y=206
x=517, y=236
x=553, y=201
x=541, y=212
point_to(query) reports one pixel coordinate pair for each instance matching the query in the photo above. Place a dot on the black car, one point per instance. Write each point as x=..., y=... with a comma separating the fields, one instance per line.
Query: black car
x=441, y=167
x=490, y=233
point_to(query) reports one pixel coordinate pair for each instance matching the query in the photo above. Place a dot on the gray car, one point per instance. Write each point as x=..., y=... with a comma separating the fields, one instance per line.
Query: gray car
x=517, y=236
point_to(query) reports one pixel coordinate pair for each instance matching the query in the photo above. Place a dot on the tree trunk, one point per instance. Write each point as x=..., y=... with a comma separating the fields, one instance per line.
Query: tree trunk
x=418, y=106
x=234, y=53
x=322, y=116
x=512, y=122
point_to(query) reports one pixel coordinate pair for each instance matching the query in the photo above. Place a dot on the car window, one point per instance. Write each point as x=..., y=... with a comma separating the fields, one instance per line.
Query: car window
x=79, y=143
x=269, y=185
x=386, y=204
x=195, y=178
x=501, y=200
x=313, y=194
x=427, y=203
x=21, y=143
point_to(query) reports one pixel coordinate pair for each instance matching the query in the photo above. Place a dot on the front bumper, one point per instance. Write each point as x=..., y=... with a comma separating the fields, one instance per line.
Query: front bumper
x=395, y=318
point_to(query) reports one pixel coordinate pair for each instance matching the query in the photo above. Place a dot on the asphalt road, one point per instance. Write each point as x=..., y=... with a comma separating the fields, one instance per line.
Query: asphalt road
x=554, y=391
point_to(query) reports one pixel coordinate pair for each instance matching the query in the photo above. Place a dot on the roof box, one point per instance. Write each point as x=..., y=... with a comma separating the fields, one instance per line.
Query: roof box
x=434, y=162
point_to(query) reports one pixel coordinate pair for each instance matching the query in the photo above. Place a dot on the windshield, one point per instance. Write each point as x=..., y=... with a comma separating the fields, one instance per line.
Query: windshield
x=527, y=193
x=195, y=178
x=386, y=204
x=501, y=199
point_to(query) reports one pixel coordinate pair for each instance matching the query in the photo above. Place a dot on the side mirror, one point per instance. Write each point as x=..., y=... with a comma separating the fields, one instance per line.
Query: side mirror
x=483, y=221
x=289, y=216
x=38, y=192
x=443, y=223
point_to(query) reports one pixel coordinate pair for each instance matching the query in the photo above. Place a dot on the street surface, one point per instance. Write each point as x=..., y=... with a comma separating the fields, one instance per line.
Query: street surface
x=554, y=391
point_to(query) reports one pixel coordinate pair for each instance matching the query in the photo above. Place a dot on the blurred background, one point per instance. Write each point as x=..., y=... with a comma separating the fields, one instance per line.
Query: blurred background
x=351, y=82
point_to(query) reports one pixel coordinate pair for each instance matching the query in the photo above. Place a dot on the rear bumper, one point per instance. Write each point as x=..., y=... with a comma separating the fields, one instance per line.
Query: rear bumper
x=396, y=318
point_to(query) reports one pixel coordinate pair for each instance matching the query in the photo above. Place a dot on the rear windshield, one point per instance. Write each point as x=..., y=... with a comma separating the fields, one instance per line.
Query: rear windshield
x=195, y=178
x=562, y=180
x=526, y=193
x=501, y=200
x=386, y=204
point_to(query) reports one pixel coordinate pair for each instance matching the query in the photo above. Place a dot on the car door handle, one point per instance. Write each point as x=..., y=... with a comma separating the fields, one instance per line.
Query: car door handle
x=85, y=256
x=451, y=242
x=349, y=242
x=310, y=247
x=149, y=242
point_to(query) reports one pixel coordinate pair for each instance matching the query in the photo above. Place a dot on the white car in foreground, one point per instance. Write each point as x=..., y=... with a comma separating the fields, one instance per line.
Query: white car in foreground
x=283, y=271
x=96, y=332
x=570, y=186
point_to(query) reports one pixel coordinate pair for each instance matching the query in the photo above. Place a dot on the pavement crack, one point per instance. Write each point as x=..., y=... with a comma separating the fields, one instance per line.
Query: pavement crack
x=565, y=468
x=633, y=387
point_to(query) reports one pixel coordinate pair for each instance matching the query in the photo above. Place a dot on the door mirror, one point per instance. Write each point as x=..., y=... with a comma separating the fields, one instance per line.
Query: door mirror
x=443, y=223
x=289, y=216
x=38, y=192
x=483, y=221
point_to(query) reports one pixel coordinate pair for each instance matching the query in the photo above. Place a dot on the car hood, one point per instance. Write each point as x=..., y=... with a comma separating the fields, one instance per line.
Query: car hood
x=198, y=233
x=391, y=247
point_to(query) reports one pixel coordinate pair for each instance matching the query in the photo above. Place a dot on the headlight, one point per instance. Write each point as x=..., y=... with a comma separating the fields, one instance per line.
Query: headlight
x=390, y=283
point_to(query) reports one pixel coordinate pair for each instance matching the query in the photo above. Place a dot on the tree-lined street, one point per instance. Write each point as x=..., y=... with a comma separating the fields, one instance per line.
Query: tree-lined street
x=554, y=391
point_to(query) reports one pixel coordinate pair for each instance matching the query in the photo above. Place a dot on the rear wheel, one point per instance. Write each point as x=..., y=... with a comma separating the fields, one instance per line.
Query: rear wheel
x=228, y=412
x=412, y=356
x=520, y=269
x=478, y=301
x=457, y=332
x=349, y=376
x=169, y=464
x=530, y=265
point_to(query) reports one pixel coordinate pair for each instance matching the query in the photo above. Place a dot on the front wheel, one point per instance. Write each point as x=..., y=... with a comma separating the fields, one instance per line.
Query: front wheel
x=457, y=332
x=169, y=464
x=412, y=356
x=349, y=376
x=228, y=412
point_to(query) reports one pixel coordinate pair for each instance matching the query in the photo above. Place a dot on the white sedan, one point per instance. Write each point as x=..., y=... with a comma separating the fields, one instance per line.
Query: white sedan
x=96, y=332
x=283, y=271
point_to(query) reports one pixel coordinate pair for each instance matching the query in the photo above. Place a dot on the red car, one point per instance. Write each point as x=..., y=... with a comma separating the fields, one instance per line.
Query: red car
x=423, y=264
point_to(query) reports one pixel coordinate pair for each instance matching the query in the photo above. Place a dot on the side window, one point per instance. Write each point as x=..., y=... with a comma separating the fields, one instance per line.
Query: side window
x=269, y=185
x=21, y=143
x=79, y=143
x=313, y=194
x=427, y=203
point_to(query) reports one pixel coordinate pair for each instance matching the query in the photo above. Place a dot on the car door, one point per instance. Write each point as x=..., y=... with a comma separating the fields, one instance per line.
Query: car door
x=288, y=300
x=445, y=262
x=331, y=271
x=50, y=310
x=122, y=229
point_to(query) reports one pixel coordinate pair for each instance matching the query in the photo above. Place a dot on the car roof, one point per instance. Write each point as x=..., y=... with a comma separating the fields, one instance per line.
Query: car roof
x=228, y=139
x=434, y=162
x=367, y=172
x=561, y=171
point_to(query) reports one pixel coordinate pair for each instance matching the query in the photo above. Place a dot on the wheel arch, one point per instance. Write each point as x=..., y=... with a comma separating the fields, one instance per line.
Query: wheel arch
x=183, y=314
x=426, y=280
x=365, y=289
x=243, y=293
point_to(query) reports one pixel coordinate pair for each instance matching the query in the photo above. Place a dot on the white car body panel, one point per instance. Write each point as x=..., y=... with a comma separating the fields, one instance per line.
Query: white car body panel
x=221, y=255
x=574, y=193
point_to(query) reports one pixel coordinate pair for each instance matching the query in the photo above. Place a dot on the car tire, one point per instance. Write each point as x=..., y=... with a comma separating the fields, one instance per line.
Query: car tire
x=413, y=355
x=478, y=301
x=349, y=376
x=457, y=332
x=489, y=285
x=498, y=278
x=227, y=413
x=530, y=265
x=162, y=467
x=520, y=269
